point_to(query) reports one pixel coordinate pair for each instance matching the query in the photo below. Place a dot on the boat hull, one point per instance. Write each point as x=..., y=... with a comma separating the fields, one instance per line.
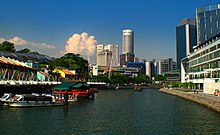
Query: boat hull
x=33, y=104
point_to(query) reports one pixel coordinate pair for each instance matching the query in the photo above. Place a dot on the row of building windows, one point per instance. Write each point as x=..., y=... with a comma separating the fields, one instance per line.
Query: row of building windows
x=213, y=74
x=207, y=57
x=213, y=64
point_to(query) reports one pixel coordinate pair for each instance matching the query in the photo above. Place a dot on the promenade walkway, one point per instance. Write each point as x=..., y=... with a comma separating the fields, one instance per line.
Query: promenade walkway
x=207, y=100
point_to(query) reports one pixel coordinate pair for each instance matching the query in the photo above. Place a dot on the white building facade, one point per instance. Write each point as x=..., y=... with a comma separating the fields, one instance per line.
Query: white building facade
x=107, y=55
x=202, y=67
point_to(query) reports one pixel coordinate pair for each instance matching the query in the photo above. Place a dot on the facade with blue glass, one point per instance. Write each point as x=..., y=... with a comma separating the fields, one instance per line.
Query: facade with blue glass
x=208, y=22
x=185, y=39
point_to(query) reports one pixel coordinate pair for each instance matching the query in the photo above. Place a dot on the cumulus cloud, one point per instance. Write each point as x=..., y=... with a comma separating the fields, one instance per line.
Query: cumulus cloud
x=82, y=44
x=18, y=41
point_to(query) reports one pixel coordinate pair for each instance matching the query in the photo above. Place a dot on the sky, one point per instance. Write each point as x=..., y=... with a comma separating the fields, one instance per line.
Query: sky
x=55, y=27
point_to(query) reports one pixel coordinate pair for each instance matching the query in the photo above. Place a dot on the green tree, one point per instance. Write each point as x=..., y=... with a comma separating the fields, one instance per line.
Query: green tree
x=7, y=47
x=159, y=78
x=25, y=50
x=70, y=61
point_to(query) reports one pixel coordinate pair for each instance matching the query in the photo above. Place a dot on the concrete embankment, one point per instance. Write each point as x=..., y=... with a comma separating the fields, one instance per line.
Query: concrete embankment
x=209, y=101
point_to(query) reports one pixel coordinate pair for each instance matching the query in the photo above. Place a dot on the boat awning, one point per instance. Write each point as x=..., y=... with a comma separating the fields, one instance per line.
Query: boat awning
x=64, y=86
x=80, y=86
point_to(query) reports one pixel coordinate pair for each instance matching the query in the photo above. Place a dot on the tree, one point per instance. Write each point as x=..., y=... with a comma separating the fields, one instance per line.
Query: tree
x=160, y=78
x=71, y=61
x=7, y=47
x=25, y=50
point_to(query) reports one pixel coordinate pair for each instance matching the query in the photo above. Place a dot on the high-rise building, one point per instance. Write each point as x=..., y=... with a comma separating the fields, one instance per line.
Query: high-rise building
x=127, y=47
x=105, y=58
x=115, y=54
x=128, y=41
x=185, y=39
x=109, y=49
x=165, y=65
x=208, y=22
x=99, y=49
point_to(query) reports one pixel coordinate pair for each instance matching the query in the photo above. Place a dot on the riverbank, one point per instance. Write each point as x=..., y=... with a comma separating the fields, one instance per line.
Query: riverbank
x=209, y=101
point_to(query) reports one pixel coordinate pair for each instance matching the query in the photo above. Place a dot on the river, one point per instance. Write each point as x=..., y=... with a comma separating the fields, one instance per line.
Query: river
x=114, y=112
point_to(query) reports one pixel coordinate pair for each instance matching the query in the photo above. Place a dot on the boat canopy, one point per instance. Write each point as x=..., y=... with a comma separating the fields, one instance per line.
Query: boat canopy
x=64, y=86
x=71, y=85
x=81, y=86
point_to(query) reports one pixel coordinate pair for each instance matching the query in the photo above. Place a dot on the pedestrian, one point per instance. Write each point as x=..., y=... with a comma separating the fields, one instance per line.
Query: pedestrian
x=197, y=91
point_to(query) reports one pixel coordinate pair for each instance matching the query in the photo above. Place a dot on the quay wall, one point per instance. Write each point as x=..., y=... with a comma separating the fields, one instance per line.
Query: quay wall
x=209, y=101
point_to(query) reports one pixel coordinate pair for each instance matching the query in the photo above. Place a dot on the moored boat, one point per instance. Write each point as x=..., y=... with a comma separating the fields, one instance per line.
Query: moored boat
x=5, y=98
x=30, y=100
x=75, y=91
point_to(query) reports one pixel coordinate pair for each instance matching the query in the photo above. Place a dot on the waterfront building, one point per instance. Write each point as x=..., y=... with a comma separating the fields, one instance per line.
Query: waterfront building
x=42, y=76
x=69, y=75
x=153, y=67
x=128, y=41
x=202, y=67
x=25, y=57
x=140, y=65
x=12, y=69
x=208, y=22
x=165, y=65
x=107, y=55
x=148, y=69
x=127, y=57
x=185, y=39
x=172, y=76
x=131, y=71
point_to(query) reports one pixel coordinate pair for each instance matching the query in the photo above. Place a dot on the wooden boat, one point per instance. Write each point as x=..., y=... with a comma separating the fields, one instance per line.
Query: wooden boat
x=31, y=100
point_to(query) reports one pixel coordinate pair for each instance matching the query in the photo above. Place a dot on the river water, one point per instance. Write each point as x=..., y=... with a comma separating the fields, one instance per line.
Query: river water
x=114, y=112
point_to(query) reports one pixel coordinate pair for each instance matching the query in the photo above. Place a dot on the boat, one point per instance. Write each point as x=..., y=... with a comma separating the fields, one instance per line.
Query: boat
x=75, y=90
x=33, y=100
x=5, y=98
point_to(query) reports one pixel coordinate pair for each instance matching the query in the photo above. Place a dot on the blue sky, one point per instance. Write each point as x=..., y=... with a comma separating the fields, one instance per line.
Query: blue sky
x=46, y=25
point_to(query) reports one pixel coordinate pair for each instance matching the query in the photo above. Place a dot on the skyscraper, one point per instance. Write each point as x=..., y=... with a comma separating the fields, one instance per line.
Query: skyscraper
x=103, y=53
x=115, y=53
x=208, y=22
x=127, y=47
x=185, y=39
x=128, y=41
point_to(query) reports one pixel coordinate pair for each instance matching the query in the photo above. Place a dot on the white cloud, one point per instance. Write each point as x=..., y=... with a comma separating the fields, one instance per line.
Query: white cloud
x=81, y=44
x=2, y=40
x=18, y=41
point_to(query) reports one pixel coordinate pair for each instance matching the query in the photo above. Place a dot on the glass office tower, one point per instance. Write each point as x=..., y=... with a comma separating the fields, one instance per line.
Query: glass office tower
x=185, y=39
x=208, y=22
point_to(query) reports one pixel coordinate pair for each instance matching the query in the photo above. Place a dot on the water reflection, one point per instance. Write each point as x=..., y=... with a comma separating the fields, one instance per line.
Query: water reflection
x=115, y=112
